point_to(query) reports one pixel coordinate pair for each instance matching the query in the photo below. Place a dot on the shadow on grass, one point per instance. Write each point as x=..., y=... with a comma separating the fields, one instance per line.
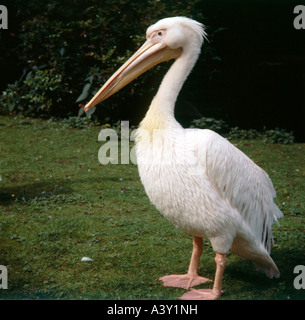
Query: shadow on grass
x=257, y=285
x=30, y=191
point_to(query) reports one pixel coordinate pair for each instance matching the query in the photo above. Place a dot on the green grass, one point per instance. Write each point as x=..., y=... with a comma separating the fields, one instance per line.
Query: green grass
x=59, y=204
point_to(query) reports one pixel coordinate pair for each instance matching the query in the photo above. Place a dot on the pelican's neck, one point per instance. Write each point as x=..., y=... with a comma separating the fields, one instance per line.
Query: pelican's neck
x=161, y=111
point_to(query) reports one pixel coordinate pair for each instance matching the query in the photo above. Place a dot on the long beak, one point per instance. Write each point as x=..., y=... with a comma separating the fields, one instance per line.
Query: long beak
x=146, y=57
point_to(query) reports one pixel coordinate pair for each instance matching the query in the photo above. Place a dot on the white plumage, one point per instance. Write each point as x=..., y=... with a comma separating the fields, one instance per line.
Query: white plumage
x=198, y=180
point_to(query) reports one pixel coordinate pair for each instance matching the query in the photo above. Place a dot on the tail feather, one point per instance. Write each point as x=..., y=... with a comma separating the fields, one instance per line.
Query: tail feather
x=257, y=254
x=267, y=266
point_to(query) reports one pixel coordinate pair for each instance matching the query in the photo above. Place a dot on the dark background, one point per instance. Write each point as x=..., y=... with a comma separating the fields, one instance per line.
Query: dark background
x=251, y=73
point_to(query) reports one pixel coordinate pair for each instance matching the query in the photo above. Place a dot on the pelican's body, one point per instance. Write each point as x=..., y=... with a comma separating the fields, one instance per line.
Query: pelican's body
x=182, y=191
x=185, y=180
x=198, y=180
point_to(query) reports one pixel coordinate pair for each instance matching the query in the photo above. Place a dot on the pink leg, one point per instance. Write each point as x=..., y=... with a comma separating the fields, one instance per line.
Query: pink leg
x=210, y=294
x=192, y=278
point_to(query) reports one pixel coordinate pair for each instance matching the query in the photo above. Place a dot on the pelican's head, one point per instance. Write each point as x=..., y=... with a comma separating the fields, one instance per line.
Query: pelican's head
x=166, y=40
x=176, y=32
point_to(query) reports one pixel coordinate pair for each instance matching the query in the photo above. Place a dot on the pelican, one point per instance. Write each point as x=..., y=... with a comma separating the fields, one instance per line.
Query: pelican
x=198, y=180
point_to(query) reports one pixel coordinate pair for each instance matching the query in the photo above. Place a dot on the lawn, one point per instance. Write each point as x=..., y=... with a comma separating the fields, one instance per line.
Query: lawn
x=59, y=204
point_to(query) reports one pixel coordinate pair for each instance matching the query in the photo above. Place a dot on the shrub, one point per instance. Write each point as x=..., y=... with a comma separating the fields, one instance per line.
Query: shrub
x=68, y=49
x=278, y=136
x=35, y=95
x=221, y=127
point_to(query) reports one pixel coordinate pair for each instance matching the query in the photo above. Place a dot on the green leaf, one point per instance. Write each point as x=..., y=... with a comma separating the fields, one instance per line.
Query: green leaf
x=11, y=107
x=81, y=111
x=85, y=92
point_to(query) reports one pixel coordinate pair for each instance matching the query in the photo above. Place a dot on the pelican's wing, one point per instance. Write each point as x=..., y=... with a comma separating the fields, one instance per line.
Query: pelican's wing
x=244, y=184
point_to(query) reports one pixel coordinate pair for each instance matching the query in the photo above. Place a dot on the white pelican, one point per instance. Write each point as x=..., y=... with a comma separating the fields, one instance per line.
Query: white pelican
x=198, y=180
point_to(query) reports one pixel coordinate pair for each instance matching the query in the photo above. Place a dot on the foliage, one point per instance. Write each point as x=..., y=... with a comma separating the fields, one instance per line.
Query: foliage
x=278, y=135
x=36, y=94
x=67, y=49
x=219, y=126
x=234, y=133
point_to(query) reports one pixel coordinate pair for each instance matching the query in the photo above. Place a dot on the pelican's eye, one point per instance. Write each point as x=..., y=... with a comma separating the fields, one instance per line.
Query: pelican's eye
x=157, y=36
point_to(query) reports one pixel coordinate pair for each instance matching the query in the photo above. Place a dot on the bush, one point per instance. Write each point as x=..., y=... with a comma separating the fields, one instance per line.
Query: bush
x=68, y=49
x=37, y=94
x=278, y=136
x=221, y=127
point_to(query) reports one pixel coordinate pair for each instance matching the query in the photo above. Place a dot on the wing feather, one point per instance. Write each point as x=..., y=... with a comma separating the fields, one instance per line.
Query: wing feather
x=244, y=184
